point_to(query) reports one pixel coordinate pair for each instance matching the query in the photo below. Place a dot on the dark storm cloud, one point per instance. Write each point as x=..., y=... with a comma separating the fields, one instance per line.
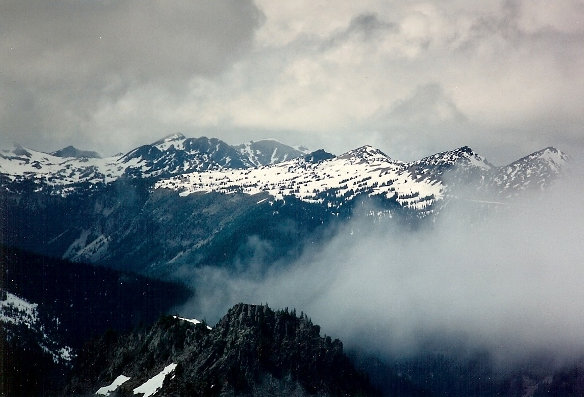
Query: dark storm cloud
x=64, y=61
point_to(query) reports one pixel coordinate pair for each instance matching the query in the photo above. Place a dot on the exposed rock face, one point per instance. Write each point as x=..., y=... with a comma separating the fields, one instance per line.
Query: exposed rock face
x=253, y=350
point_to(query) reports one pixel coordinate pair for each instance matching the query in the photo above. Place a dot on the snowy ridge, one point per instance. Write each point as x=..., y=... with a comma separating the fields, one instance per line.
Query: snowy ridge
x=191, y=165
x=368, y=171
x=463, y=155
x=43, y=169
x=364, y=170
x=266, y=152
x=66, y=171
x=536, y=170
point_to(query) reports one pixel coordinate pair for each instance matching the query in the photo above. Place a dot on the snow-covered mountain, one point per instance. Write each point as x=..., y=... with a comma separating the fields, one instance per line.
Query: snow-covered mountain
x=71, y=151
x=190, y=165
x=336, y=180
x=192, y=202
x=536, y=170
x=69, y=169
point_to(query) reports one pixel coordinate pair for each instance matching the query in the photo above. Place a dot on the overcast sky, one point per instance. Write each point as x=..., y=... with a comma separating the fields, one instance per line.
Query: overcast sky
x=410, y=77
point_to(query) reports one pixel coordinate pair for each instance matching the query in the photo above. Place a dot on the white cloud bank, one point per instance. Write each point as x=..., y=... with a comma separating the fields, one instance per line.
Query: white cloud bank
x=413, y=78
x=510, y=284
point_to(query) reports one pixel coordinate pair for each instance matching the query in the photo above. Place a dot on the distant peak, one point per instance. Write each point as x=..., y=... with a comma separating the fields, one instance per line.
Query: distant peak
x=19, y=150
x=364, y=152
x=464, y=153
x=549, y=149
x=549, y=153
x=318, y=156
x=465, y=149
x=302, y=149
x=274, y=140
x=72, y=151
x=170, y=138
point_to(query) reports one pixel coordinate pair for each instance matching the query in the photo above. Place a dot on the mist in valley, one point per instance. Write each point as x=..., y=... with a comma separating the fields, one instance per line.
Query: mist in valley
x=501, y=278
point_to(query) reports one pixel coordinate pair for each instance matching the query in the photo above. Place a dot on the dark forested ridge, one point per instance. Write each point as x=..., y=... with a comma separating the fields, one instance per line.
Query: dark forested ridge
x=253, y=350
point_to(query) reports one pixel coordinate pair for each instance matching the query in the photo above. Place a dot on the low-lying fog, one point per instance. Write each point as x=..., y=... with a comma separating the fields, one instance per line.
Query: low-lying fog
x=512, y=283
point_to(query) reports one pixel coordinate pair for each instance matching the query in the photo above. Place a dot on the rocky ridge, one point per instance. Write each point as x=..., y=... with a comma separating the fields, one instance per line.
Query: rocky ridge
x=253, y=350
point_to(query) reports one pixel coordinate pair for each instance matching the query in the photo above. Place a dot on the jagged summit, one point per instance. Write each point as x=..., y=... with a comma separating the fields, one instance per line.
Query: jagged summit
x=549, y=153
x=267, y=151
x=253, y=350
x=71, y=151
x=366, y=152
x=451, y=157
x=318, y=156
x=548, y=157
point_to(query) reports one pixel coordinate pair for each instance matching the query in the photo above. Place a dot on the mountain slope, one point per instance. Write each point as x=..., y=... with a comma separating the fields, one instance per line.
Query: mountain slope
x=267, y=151
x=49, y=308
x=148, y=221
x=253, y=350
x=535, y=171
x=334, y=180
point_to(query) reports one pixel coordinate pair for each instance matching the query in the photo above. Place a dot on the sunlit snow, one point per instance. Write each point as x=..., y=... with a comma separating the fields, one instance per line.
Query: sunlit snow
x=106, y=390
x=152, y=385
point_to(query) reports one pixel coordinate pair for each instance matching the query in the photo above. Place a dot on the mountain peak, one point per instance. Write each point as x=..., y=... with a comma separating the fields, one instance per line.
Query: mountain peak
x=465, y=149
x=252, y=348
x=464, y=153
x=545, y=160
x=318, y=155
x=551, y=153
x=267, y=151
x=366, y=152
x=170, y=138
x=72, y=151
x=19, y=150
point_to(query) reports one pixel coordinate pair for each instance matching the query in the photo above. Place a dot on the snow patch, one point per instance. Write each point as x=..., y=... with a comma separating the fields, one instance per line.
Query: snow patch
x=17, y=311
x=190, y=320
x=106, y=390
x=151, y=386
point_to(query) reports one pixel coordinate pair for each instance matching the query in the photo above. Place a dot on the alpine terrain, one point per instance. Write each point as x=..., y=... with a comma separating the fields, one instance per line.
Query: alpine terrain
x=96, y=249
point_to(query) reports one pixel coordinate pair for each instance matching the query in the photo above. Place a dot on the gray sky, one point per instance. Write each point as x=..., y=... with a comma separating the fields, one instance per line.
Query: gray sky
x=413, y=78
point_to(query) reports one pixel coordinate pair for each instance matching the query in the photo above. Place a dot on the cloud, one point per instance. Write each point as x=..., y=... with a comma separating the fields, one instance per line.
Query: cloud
x=326, y=81
x=508, y=284
x=428, y=104
x=65, y=62
x=504, y=77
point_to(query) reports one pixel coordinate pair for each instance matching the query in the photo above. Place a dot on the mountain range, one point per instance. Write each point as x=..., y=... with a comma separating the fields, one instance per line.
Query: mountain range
x=164, y=210
x=197, y=201
x=202, y=165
